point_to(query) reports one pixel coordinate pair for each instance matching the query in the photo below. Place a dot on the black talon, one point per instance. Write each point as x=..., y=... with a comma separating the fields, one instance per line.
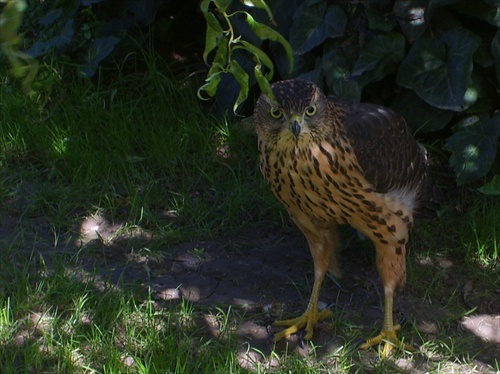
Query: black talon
x=270, y=340
x=331, y=306
x=302, y=341
x=268, y=323
x=358, y=342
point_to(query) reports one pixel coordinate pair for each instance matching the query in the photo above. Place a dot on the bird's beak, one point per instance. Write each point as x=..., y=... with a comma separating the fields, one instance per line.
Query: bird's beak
x=296, y=128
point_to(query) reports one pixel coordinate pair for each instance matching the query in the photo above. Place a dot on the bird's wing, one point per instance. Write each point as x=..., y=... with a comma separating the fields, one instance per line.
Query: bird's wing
x=386, y=151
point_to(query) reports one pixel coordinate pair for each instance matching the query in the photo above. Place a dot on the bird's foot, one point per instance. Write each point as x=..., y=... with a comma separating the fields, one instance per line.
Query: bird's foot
x=390, y=341
x=306, y=321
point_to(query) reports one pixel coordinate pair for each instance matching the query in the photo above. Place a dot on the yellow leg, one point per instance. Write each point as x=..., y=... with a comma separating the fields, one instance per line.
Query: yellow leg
x=310, y=317
x=387, y=336
x=322, y=240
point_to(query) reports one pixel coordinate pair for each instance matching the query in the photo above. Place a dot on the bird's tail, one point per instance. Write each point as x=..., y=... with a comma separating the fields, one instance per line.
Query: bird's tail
x=430, y=202
x=430, y=198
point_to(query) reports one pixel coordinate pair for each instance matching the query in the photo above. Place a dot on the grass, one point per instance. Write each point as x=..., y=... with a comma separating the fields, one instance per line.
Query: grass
x=143, y=144
x=481, y=232
x=58, y=319
x=65, y=324
x=142, y=152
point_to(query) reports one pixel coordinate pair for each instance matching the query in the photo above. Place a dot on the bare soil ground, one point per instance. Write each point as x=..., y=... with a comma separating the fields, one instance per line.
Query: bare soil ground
x=265, y=273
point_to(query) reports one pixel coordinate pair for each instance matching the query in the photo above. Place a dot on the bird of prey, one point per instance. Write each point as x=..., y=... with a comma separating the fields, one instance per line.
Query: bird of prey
x=332, y=162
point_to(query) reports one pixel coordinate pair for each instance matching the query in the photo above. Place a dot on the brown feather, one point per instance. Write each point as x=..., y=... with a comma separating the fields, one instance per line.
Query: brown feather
x=333, y=162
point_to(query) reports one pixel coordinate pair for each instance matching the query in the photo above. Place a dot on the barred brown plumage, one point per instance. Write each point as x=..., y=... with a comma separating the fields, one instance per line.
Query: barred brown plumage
x=334, y=162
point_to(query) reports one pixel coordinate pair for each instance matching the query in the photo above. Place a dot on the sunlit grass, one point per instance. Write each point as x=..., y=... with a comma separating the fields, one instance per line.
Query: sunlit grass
x=65, y=320
x=481, y=231
x=142, y=151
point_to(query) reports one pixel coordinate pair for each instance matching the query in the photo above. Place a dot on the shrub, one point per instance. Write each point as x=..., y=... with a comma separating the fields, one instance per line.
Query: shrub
x=436, y=62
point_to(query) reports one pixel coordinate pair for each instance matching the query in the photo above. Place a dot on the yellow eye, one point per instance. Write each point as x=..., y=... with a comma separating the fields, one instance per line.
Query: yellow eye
x=276, y=113
x=311, y=111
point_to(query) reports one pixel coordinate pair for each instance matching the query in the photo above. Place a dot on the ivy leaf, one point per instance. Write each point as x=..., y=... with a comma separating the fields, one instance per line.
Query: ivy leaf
x=474, y=149
x=313, y=76
x=336, y=70
x=346, y=88
x=313, y=22
x=380, y=20
x=411, y=16
x=491, y=188
x=420, y=116
x=480, y=10
x=379, y=58
x=439, y=70
x=495, y=51
x=50, y=17
x=98, y=51
x=433, y=4
x=64, y=38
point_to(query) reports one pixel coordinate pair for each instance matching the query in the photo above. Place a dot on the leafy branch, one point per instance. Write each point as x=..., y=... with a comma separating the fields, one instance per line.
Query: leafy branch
x=225, y=41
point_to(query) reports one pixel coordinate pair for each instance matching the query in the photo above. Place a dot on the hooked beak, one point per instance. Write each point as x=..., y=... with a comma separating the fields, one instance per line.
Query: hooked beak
x=296, y=129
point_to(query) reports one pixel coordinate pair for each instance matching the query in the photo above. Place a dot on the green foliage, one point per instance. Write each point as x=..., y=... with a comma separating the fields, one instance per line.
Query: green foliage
x=474, y=147
x=439, y=70
x=436, y=62
x=131, y=149
x=226, y=42
x=492, y=188
x=314, y=24
x=69, y=322
x=22, y=64
x=481, y=227
x=82, y=32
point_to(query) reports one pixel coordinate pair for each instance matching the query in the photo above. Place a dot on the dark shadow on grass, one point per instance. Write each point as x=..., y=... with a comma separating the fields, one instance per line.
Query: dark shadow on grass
x=257, y=276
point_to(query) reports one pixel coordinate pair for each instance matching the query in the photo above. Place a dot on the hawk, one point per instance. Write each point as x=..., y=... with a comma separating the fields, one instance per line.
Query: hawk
x=332, y=162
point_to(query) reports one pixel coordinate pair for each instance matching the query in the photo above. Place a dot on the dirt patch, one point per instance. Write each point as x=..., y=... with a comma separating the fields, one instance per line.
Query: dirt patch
x=267, y=272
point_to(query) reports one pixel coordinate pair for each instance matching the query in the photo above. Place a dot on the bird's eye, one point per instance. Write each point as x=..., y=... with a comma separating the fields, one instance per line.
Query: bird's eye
x=311, y=111
x=276, y=113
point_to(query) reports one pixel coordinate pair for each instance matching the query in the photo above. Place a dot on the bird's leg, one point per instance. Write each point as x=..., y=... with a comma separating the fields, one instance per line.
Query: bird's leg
x=310, y=317
x=392, y=271
x=388, y=334
x=322, y=243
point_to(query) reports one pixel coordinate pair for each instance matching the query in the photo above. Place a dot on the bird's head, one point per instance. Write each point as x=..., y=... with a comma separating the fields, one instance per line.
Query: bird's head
x=299, y=111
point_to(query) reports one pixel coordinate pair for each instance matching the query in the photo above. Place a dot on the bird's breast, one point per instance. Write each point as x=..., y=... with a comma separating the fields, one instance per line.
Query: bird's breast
x=319, y=179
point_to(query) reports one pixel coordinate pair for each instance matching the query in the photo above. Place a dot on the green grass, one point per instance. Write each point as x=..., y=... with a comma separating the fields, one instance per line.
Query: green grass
x=141, y=149
x=52, y=320
x=63, y=319
x=481, y=231
x=142, y=152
